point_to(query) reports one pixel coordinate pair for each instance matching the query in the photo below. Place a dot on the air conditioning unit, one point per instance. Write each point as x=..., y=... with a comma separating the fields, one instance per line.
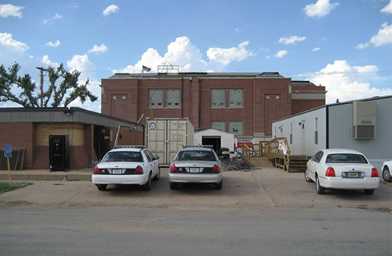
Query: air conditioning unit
x=364, y=119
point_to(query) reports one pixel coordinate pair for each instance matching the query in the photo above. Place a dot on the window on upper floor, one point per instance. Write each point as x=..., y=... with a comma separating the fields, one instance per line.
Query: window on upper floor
x=236, y=127
x=221, y=126
x=155, y=98
x=173, y=98
x=236, y=98
x=218, y=98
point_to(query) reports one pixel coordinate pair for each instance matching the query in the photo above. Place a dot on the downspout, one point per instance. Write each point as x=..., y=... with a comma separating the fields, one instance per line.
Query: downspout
x=327, y=127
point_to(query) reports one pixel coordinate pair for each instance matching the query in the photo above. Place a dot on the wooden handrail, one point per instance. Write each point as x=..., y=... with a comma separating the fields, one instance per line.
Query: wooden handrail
x=277, y=151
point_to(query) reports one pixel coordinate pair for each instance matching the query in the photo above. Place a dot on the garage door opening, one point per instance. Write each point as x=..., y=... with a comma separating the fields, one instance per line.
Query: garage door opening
x=214, y=141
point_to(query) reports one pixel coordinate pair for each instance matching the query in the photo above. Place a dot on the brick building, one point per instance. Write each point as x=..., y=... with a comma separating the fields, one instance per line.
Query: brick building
x=245, y=104
x=90, y=135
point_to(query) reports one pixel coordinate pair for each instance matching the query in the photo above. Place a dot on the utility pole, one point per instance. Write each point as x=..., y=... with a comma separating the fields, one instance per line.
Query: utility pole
x=42, y=84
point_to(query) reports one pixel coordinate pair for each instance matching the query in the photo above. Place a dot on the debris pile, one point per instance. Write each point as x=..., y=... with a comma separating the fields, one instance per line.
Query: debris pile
x=236, y=164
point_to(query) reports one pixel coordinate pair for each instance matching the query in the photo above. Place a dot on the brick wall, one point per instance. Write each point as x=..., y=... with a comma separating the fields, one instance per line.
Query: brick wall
x=20, y=136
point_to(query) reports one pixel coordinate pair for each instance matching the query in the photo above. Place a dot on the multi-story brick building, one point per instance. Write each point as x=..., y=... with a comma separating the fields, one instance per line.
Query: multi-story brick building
x=245, y=104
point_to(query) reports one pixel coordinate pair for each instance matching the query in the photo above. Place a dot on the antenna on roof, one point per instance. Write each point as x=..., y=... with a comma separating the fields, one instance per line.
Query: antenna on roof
x=167, y=67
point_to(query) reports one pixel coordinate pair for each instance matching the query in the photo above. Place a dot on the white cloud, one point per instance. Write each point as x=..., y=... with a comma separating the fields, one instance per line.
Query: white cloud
x=368, y=69
x=82, y=64
x=98, y=49
x=320, y=8
x=346, y=82
x=48, y=62
x=281, y=54
x=72, y=6
x=188, y=57
x=384, y=35
x=363, y=46
x=316, y=49
x=52, y=19
x=10, y=10
x=7, y=41
x=227, y=55
x=388, y=8
x=291, y=39
x=110, y=9
x=53, y=44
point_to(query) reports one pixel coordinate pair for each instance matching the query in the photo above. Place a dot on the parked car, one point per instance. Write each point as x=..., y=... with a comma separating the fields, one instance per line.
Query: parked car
x=341, y=169
x=386, y=170
x=127, y=165
x=195, y=164
x=224, y=153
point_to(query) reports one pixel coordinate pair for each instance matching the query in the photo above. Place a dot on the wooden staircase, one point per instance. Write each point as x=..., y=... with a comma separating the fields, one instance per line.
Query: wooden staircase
x=298, y=163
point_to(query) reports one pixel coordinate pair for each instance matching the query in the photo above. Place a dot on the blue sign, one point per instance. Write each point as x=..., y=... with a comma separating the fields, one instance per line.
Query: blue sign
x=8, y=151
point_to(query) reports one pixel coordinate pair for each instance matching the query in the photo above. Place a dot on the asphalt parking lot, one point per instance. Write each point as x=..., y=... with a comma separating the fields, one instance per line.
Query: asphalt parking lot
x=261, y=188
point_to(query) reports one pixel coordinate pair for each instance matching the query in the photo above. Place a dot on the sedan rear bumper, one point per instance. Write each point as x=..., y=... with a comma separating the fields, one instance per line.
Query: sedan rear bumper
x=119, y=179
x=340, y=183
x=194, y=178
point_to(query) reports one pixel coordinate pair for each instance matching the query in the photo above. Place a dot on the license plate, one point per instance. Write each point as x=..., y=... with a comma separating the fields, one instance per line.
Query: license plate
x=117, y=171
x=194, y=170
x=353, y=175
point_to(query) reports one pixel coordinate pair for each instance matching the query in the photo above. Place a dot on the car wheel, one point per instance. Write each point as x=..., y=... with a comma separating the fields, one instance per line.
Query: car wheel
x=218, y=186
x=319, y=189
x=173, y=185
x=369, y=191
x=101, y=187
x=147, y=186
x=307, y=176
x=158, y=176
x=386, y=174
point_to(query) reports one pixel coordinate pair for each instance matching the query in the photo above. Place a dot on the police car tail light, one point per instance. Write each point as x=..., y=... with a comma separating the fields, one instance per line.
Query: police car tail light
x=173, y=168
x=375, y=173
x=96, y=170
x=215, y=169
x=330, y=172
x=138, y=170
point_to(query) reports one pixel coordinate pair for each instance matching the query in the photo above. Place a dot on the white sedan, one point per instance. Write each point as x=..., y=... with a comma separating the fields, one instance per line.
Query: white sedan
x=342, y=169
x=126, y=165
x=386, y=170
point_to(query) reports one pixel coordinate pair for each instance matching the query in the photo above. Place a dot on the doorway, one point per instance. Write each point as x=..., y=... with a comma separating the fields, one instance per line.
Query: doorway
x=214, y=141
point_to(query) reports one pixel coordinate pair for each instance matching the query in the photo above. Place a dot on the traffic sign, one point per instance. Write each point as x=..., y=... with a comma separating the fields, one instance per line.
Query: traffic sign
x=8, y=151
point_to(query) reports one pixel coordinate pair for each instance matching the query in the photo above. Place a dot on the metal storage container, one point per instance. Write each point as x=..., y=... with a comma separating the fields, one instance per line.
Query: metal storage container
x=166, y=136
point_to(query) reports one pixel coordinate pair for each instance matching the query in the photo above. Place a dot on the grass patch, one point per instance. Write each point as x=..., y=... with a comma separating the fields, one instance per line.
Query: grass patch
x=5, y=186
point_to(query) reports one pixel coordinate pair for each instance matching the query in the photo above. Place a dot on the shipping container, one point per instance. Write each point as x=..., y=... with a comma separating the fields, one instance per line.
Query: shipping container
x=166, y=136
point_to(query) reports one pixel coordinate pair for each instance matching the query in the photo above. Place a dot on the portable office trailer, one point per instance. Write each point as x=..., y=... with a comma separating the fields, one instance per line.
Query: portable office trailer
x=363, y=125
x=166, y=136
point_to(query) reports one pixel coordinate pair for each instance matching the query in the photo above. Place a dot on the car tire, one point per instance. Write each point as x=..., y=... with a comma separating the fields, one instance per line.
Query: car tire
x=319, y=189
x=173, y=185
x=218, y=186
x=147, y=186
x=101, y=187
x=386, y=174
x=158, y=176
x=307, y=176
x=369, y=191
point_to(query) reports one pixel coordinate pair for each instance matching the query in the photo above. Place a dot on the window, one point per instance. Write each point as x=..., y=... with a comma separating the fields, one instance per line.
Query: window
x=221, y=126
x=173, y=98
x=156, y=98
x=317, y=157
x=291, y=133
x=235, y=98
x=218, y=99
x=236, y=127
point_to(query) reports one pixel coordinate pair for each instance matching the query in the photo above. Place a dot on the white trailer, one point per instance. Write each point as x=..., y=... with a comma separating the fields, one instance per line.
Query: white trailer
x=166, y=136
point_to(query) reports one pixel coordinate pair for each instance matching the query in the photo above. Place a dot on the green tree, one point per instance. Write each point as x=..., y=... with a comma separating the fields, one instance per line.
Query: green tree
x=62, y=90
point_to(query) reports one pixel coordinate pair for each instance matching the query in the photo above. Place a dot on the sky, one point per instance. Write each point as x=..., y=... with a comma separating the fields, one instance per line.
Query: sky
x=344, y=45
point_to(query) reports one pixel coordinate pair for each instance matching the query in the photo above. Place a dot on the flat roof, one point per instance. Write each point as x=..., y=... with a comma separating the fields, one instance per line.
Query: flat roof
x=199, y=74
x=62, y=115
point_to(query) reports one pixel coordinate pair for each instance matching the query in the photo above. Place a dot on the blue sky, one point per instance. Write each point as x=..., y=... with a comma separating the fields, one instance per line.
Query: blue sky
x=345, y=45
